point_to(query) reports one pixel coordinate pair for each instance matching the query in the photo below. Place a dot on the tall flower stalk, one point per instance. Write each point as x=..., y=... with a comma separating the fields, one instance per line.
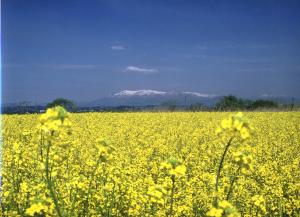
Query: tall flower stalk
x=238, y=128
x=52, y=124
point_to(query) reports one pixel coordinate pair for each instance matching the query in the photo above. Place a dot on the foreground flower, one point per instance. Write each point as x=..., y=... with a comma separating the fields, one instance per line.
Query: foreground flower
x=223, y=209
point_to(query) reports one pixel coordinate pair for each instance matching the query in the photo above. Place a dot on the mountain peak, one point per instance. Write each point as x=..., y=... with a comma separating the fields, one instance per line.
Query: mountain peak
x=139, y=93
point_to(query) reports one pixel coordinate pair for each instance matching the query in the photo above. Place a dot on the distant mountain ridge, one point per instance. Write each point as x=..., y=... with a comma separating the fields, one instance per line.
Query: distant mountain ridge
x=161, y=93
x=146, y=97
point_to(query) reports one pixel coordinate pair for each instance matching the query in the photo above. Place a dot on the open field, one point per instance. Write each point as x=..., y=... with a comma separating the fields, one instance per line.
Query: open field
x=151, y=164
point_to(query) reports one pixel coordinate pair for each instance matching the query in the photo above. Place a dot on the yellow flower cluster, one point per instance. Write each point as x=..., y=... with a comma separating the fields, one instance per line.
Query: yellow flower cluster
x=259, y=203
x=174, y=167
x=224, y=209
x=150, y=164
x=235, y=124
x=54, y=119
x=157, y=194
x=36, y=208
x=244, y=161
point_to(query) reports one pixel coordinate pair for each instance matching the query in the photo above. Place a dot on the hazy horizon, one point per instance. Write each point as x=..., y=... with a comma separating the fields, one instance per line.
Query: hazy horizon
x=86, y=50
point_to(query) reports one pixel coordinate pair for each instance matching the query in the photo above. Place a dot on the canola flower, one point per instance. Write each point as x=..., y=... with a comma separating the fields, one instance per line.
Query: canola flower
x=237, y=126
x=225, y=209
x=150, y=164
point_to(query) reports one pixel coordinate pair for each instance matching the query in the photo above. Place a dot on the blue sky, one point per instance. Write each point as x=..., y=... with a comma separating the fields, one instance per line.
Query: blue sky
x=87, y=49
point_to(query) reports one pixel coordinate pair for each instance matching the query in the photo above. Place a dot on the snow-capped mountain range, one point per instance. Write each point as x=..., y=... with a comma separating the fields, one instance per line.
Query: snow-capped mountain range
x=154, y=97
x=139, y=93
x=126, y=93
x=146, y=97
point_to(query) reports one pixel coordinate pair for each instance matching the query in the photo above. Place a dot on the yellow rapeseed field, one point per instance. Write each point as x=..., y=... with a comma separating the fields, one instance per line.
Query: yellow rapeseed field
x=151, y=164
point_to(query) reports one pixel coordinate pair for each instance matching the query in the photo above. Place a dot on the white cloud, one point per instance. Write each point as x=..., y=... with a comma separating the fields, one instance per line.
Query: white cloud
x=141, y=70
x=117, y=47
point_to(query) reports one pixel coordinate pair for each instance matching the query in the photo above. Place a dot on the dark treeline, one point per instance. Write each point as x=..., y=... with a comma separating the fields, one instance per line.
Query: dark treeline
x=226, y=103
x=234, y=103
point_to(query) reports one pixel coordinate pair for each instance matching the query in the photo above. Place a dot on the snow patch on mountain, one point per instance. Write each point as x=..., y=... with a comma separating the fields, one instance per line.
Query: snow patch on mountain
x=199, y=94
x=272, y=95
x=140, y=93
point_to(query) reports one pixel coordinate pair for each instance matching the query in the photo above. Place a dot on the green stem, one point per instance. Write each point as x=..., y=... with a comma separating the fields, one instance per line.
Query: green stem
x=235, y=177
x=219, y=170
x=49, y=182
